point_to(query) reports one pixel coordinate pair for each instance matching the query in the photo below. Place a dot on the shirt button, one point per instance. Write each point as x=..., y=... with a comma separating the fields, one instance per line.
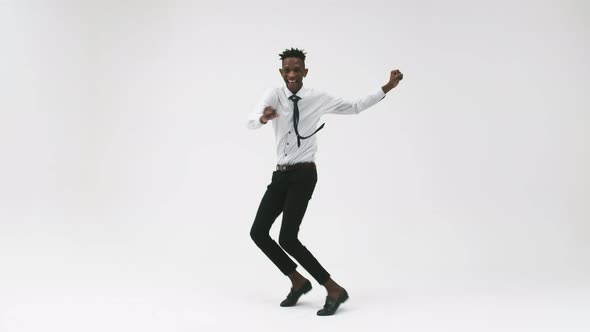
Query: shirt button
x=285, y=154
x=289, y=132
x=287, y=143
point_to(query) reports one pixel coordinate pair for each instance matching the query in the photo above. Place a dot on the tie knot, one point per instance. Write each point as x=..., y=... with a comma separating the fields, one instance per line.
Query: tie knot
x=295, y=98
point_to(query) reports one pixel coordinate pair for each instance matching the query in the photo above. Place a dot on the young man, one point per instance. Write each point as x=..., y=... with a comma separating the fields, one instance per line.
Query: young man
x=295, y=112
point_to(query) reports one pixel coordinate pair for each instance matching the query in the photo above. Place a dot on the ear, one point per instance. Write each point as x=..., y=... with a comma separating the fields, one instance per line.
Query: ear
x=305, y=72
x=281, y=71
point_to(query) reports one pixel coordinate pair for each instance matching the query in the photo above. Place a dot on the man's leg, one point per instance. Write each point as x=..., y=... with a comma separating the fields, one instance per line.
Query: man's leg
x=270, y=208
x=301, y=186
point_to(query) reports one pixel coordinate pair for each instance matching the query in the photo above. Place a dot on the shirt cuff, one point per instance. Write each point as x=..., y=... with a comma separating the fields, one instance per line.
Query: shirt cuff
x=254, y=123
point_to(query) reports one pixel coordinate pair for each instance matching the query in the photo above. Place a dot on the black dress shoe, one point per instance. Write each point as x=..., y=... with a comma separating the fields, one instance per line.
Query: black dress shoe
x=332, y=305
x=294, y=295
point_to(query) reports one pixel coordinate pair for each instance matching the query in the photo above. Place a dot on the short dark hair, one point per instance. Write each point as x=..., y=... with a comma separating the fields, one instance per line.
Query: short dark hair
x=293, y=53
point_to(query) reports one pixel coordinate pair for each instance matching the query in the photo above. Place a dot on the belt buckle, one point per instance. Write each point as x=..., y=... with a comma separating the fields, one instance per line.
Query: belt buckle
x=281, y=168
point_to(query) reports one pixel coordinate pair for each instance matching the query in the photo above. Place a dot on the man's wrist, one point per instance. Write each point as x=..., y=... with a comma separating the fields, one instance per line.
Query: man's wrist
x=387, y=87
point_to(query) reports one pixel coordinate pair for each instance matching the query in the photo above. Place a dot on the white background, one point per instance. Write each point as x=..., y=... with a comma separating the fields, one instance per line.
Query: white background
x=128, y=180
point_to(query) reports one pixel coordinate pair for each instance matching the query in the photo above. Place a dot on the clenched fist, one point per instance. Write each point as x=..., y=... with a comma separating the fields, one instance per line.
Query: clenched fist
x=268, y=114
x=394, y=78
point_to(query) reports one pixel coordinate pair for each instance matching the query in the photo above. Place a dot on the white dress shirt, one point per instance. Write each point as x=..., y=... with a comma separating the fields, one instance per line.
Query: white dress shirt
x=312, y=105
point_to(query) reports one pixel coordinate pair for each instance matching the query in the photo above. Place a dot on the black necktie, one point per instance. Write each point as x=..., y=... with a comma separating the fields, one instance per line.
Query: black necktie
x=295, y=99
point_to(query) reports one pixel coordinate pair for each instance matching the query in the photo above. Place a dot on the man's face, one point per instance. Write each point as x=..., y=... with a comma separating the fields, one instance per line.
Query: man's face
x=293, y=72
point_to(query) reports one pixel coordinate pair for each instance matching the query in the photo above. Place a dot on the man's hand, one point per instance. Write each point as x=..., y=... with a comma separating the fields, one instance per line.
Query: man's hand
x=268, y=114
x=394, y=79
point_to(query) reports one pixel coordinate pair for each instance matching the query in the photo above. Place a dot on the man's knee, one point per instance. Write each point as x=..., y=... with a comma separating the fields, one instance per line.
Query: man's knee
x=257, y=235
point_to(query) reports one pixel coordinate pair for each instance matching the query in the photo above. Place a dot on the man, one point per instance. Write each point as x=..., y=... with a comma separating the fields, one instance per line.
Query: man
x=295, y=112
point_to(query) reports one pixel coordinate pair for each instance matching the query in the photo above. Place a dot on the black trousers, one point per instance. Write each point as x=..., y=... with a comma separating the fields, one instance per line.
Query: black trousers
x=289, y=193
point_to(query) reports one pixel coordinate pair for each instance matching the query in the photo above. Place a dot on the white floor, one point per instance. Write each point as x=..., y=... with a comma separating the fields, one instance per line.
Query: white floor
x=256, y=309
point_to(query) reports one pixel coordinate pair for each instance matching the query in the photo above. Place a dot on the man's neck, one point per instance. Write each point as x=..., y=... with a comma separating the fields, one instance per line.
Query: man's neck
x=295, y=92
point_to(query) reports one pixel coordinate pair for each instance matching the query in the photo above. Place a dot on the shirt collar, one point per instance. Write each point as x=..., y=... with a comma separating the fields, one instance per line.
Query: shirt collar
x=301, y=93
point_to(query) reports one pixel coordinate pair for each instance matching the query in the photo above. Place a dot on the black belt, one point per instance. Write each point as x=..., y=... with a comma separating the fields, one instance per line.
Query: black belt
x=292, y=167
